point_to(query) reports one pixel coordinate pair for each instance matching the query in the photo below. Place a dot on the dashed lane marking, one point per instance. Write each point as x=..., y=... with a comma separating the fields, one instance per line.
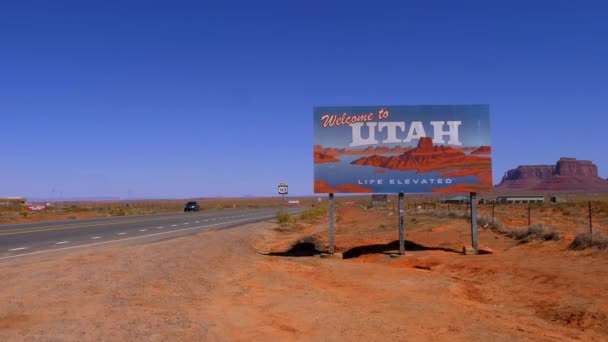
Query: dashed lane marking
x=134, y=237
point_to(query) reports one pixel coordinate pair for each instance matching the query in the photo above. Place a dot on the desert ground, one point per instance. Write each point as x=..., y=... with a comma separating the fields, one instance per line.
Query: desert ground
x=266, y=281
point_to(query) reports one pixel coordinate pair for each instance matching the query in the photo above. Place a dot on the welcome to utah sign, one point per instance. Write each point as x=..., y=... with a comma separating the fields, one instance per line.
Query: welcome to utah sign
x=388, y=149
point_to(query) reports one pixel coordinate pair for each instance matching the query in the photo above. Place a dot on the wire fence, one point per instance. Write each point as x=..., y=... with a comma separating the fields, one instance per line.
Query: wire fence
x=570, y=217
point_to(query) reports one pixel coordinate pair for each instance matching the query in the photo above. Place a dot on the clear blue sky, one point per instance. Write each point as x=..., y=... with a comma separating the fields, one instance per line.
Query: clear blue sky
x=180, y=99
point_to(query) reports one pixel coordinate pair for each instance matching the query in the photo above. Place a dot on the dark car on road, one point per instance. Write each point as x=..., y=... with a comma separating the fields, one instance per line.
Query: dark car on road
x=192, y=206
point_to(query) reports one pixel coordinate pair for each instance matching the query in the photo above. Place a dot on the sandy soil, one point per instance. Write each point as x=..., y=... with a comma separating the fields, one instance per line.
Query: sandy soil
x=220, y=285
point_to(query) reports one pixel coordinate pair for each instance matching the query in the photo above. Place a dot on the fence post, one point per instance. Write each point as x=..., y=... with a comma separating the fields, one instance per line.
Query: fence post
x=590, y=224
x=401, y=228
x=331, y=223
x=473, y=201
x=529, y=218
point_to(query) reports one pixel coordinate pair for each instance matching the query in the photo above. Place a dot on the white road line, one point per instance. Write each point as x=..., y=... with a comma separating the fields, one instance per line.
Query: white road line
x=195, y=221
x=160, y=227
x=122, y=233
x=185, y=224
x=61, y=242
x=96, y=237
x=143, y=230
x=17, y=249
x=173, y=225
x=134, y=237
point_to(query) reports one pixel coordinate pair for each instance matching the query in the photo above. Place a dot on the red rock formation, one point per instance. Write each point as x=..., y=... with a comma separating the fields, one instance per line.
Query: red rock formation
x=570, y=167
x=425, y=158
x=323, y=187
x=353, y=188
x=324, y=158
x=332, y=151
x=483, y=150
x=568, y=174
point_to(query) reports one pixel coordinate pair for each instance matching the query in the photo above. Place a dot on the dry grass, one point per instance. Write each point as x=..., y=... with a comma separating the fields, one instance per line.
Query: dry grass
x=586, y=240
x=534, y=232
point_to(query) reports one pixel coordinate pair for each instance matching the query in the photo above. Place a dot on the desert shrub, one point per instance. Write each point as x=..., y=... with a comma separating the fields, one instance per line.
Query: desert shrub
x=117, y=211
x=453, y=214
x=23, y=213
x=536, y=231
x=517, y=234
x=313, y=212
x=75, y=209
x=586, y=240
x=551, y=236
x=499, y=228
x=71, y=217
x=283, y=228
x=484, y=222
x=284, y=217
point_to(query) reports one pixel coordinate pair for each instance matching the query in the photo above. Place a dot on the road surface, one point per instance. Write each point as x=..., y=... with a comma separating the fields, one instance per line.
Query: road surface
x=17, y=240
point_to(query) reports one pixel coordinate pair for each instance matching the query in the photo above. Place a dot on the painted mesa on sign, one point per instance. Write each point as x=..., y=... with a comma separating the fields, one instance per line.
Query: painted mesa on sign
x=365, y=153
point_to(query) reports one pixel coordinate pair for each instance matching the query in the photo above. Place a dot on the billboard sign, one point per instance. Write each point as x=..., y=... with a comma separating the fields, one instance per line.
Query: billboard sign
x=411, y=149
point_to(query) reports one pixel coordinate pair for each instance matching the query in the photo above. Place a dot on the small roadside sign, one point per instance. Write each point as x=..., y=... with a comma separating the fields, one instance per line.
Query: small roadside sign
x=282, y=188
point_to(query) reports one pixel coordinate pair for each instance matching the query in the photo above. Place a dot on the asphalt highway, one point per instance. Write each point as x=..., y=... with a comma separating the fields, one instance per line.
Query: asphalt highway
x=17, y=240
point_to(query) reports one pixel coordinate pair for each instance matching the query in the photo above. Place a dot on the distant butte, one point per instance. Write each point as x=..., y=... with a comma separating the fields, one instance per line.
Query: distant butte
x=568, y=174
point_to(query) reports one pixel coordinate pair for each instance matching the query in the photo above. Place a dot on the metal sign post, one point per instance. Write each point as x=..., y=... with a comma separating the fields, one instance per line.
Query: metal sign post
x=401, y=228
x=282, y=192
x=473, y=201
x=331, y=223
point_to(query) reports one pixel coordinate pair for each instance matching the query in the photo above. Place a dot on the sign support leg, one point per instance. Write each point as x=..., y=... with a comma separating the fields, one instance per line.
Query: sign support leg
x=401, y=228
x=331, y=223
x=473, y=201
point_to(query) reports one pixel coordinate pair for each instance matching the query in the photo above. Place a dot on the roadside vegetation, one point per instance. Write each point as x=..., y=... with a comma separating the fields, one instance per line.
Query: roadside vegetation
x=313, y=213
x=586, y=240
x=289, y=223
x=534, y=232
x=284, y=217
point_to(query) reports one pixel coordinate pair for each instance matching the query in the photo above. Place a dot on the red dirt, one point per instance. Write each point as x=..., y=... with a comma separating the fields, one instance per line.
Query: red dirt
x=217, y=286
x=461, y=188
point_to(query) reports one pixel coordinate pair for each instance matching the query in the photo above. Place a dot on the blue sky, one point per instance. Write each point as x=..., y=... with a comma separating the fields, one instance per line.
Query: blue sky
x=188, y=99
